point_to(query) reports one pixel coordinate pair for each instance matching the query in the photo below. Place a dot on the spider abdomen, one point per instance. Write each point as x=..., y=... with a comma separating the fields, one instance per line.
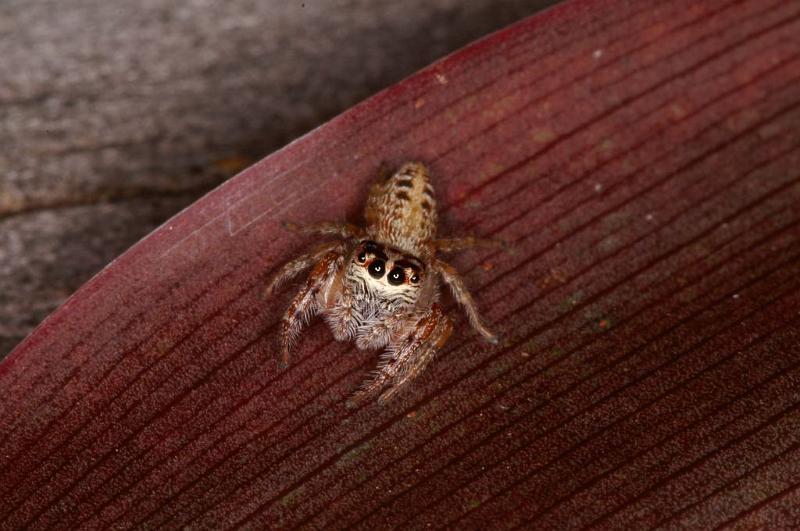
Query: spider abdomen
x=401, y=211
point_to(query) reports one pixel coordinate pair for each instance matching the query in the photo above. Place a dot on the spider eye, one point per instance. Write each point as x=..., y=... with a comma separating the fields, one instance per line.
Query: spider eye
x=362, y=257
x=376, y=269
x=414, y=278
x=396, y=276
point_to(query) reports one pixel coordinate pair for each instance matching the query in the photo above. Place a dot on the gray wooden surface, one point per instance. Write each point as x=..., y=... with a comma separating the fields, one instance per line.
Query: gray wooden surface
x=115, y=114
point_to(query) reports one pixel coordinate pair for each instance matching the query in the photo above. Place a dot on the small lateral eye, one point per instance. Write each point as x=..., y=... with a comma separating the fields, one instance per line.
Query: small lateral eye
x=396, y=276
x=362, y=257
x=376, y=269
x=414, y=278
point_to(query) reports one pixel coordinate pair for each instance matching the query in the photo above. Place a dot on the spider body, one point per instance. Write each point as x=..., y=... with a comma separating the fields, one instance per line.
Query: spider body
x=401, y=211
x=379, y=286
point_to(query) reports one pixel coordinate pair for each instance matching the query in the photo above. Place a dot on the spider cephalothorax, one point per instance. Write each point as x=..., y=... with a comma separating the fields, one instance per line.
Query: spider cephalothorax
x=379, y=286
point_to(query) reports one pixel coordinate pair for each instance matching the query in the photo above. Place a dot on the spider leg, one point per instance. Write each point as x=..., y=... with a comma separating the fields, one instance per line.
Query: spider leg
x=463, y=297
x=347, y=231
x=450, y=245
x=407, y=358
x=306, y=303
x=294, y=267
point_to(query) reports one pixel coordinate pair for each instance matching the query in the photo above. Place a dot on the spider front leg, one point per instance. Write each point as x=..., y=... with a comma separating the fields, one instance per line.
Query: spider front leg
x=294, y=267
x=306, y=303
x=462, y=296
x=406, y=359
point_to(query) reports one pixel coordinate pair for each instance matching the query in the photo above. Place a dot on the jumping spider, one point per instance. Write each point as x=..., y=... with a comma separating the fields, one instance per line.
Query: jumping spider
x=379, y=286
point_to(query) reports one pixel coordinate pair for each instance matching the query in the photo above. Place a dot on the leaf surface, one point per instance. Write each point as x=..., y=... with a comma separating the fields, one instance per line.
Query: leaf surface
x=643, y=161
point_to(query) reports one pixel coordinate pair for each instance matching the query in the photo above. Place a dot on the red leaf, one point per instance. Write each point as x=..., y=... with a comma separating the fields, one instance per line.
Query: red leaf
x=643, y=160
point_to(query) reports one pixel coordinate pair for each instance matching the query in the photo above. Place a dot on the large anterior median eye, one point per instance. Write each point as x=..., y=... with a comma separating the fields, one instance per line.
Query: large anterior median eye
x=396, y=276
x=376, y=269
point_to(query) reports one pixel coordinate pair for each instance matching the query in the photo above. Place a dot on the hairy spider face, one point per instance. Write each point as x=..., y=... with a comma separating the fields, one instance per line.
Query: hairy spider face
x=383, y=271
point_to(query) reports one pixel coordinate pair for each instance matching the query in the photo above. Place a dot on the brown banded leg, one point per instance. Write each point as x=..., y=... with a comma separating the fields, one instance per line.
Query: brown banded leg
x=305, y=304
x=462, y=296
x=294, y=267
x=405, y=360
x=328, y=228
x=450, y=245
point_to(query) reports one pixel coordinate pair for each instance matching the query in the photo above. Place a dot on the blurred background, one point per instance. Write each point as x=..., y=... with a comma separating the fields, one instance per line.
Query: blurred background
x=115, y=115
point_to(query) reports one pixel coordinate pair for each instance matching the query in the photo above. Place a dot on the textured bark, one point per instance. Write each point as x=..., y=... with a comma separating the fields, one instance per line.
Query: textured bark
x=131, y=110
x=641, y=160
